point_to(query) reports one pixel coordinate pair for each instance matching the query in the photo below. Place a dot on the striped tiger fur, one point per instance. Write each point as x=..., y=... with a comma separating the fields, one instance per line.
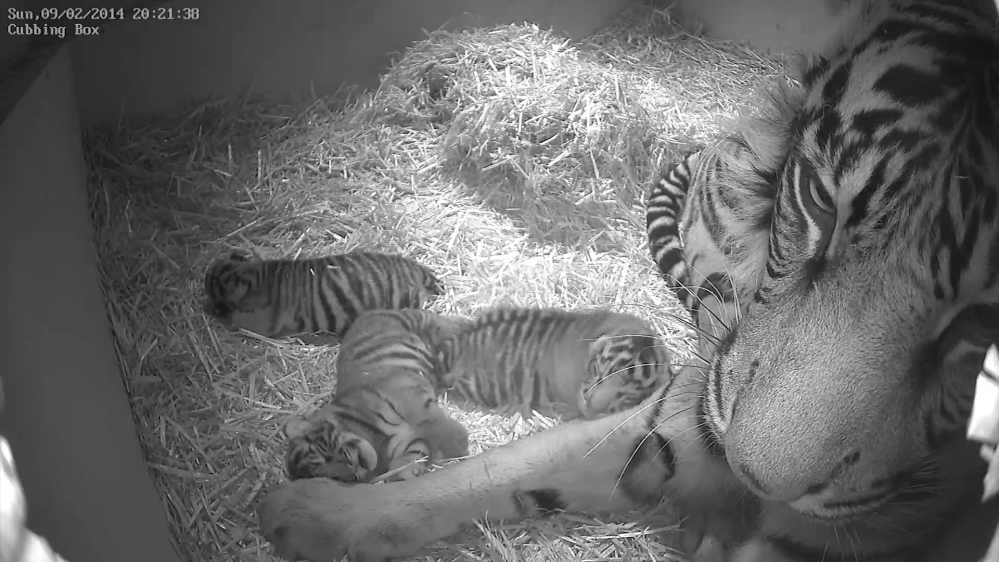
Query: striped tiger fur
x=392, y=341
x=828, y=425
x=279, y=298
x=384, y=415
x=575, y=363
x=706, y=188
x=717, y=184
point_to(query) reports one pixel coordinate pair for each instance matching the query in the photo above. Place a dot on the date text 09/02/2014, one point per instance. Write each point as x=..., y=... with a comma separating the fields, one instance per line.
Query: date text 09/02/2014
x=78, y=21
x=94, y=15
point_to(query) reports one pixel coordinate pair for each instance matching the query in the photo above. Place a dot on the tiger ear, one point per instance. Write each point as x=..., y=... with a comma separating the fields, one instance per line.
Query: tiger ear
x=296, y=427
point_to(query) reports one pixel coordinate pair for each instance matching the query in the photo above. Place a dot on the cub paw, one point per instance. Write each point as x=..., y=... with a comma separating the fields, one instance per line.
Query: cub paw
x=452, y=440
x=404, y=469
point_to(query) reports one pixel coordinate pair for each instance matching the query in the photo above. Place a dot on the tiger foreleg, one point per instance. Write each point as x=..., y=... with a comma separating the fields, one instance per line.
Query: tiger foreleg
x=577, y=466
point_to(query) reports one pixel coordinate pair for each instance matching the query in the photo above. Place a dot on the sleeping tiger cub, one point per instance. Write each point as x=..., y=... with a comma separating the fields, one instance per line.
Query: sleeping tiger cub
x=859, y=237
x=384, y=416
x=576, y=363
x=279, y=298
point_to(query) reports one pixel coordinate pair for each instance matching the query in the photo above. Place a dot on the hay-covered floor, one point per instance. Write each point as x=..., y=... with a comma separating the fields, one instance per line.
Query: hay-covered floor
x=510, y=161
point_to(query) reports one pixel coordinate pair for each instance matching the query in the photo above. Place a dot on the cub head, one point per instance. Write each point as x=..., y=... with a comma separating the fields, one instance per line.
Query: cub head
x=319, y=446
x=622, y=371
x=227, y=283
x=845, y=388
x=237, y=292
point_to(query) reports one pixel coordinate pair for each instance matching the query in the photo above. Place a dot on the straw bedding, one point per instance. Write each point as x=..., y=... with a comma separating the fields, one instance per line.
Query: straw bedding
x=510, y=161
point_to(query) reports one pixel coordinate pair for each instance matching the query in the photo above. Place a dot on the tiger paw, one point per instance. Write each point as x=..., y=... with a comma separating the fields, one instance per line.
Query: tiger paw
x=697, y=543
x=716, y=536
x=710, y=550
x=321, y=520
x=702, y=546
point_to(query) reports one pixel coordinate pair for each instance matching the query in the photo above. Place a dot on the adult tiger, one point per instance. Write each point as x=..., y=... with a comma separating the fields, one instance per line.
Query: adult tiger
x=278, y=298
x=384, y=417
x=866, y=297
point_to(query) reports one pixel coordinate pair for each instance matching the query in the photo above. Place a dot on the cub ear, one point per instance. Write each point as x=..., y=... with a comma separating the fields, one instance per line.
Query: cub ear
x=296, y=427
x=600, y=352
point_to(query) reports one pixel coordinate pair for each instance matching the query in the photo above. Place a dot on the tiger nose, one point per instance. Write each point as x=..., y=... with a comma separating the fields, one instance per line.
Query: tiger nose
x=752, y=481
x=760, y=489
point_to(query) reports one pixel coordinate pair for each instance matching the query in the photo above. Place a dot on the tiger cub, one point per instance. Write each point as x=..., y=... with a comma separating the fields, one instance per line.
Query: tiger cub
x=384, y=416
x=279, y=298
x=576, y=363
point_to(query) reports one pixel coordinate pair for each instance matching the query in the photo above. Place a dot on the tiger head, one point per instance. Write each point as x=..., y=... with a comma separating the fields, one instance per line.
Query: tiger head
x=844, y=389
x=320, y=446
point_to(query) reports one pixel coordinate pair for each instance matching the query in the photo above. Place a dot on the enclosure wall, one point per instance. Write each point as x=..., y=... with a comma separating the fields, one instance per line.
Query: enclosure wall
x=282, y=47
x=766, y=25
x=67, y=415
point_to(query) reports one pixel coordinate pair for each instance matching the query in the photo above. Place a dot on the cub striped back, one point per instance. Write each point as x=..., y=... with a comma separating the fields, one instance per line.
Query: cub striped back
x=584, y=363
x=278, y=298
x=384, y=415
x=393, y=341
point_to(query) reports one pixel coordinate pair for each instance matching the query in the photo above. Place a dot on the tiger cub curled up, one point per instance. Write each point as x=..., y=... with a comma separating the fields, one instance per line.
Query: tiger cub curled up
x=578, y=363
x=279, y=298
x=384, y=416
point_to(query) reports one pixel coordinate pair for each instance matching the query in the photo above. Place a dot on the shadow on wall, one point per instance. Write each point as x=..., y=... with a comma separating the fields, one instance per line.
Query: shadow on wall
x=768, y=25
x=301, y=47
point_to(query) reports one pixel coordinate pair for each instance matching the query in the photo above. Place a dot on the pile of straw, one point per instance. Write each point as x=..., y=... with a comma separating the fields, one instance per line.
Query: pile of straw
x=510, y=161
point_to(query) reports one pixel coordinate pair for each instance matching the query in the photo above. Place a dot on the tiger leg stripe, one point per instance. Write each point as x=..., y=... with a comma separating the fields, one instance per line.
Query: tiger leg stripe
x=537, y=503
x=652, y=463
